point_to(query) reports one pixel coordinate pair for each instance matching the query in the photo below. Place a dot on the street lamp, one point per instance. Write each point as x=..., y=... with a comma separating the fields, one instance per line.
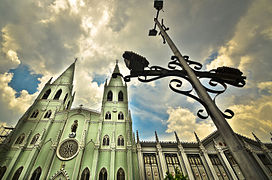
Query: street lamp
x=188, y=70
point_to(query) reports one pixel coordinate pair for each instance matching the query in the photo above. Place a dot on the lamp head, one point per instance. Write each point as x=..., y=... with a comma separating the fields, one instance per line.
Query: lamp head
x=158, y=4
x=152, y=32
x=135, y=62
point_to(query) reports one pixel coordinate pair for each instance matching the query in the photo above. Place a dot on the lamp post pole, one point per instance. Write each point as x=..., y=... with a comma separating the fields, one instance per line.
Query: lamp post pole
x=243, y=158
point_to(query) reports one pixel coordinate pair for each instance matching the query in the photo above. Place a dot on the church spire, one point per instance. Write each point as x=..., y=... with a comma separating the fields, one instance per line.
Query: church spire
x=116, y=80
x=197, y=138
x=177, y=138
x=67, y=76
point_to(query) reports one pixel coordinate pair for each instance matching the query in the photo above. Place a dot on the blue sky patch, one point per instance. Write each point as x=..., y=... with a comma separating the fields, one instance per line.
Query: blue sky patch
x=212, y=57
x=100, y=79
x=24, y=79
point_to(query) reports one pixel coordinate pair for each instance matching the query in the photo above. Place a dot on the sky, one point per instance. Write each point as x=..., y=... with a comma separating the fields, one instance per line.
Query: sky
x=40, y=38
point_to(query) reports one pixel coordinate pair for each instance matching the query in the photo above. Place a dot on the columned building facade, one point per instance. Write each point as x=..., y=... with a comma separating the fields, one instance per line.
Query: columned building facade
x=53, y=141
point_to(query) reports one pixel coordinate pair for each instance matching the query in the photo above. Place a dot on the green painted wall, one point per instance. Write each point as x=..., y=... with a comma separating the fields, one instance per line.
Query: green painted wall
x=92, y=127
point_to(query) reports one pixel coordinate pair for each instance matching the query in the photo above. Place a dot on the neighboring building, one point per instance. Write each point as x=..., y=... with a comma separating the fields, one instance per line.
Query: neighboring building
x=53, y=141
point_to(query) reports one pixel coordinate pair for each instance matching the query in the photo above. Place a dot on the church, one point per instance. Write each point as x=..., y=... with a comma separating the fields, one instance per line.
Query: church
x=54, y=141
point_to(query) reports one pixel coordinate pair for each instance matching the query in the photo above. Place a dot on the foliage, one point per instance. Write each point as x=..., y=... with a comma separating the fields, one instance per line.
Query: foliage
x=178, y=175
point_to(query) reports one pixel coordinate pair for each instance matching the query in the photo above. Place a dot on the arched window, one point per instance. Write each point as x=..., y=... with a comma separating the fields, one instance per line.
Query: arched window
x=57, y=95
x=34, y=114
x=35, y=138
x=120, y=141
x=120, y=174
x=120, y=115
x=2, y=171
x=106, y=140
x=74, y=126
x=108, y=115
x=103, y=174
x=36, y=174
x=65, y=98
x=20, y=139
x=109, y=96
x=85, y=174
x=48, y=114
x=17, y=173
x=120, y=96
x=68, y=104
x=46, y=94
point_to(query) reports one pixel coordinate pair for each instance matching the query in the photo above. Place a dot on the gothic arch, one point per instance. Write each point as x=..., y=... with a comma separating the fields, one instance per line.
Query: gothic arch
x=34, y=114
x=20, y=139
x=120, y=96
x=46, y=94
x=65, y=98
x=2, y=171
x=108, y=115
x=120, y=115
x=17, y=173
x=57, y=95
x=48, y=114
x=106, y=140
x=85, y=174
x=68, y=104
x=103, y=174
x=35, y=138
x=36, y=174
x=121, y=174
x=120, y=141
x=109, y=96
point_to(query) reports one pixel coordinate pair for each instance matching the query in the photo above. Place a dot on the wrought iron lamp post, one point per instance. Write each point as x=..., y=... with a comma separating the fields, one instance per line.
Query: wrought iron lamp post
x=179, y=66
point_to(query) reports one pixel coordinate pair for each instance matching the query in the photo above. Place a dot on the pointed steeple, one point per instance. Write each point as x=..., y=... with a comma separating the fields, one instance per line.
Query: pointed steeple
x=156, y=136
x=197, y=139
x=116, y=80
x=67, y=76
x=257, y=139
x=177, y=138
x=138, y=139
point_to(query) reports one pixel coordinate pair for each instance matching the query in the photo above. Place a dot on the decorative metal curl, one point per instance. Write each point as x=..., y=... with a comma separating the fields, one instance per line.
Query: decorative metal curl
x=176, y=89
x=218, y=77
x=194, y=65
x=228, y=114
x=157, y=76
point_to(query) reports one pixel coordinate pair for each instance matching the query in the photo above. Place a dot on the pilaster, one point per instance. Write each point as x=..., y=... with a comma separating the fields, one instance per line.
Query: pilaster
x=140, y=157
x=225, y=160
x=205, y=155
x=184, y=160
x=160, y=155
x=112, y=160
x=265, y=150
x=264, y=168
x=12, y=163
x=29, y=163
x=129, y=162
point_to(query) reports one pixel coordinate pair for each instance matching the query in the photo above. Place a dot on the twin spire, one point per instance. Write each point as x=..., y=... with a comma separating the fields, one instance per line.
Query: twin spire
x=67, y=76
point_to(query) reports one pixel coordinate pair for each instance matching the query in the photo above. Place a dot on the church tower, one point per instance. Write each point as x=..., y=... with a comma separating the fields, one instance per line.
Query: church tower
x=53, y=141
x=117, y=141
x=23, y=146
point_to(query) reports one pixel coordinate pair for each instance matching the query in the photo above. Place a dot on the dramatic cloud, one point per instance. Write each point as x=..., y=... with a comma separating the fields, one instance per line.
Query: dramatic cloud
x=183, y=121
x=47, y=35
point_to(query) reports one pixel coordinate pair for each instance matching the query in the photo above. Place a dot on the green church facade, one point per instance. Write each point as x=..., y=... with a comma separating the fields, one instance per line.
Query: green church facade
x=53, y=141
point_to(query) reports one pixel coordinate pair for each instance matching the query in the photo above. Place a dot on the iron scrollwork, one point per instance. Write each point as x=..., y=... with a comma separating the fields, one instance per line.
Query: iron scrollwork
x=219, y=77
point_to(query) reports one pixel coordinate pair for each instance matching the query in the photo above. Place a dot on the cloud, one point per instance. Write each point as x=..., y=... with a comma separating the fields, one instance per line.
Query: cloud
x=48, y=35
x=12, y=108
x=254, y=116
x=183, y=121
